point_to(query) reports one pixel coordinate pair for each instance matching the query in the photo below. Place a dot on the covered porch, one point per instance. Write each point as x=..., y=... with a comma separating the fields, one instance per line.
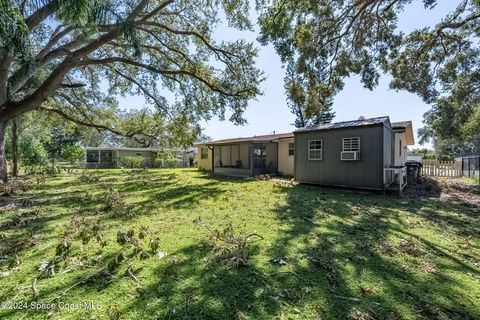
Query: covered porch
x=245, y=158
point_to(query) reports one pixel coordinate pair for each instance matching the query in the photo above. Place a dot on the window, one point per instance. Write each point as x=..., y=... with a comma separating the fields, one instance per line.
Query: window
x=204, y=153
x=93, y=155
x=400, y=148
x=291, y=149
x=106, y=156
x=315, y=150
x=351, y=144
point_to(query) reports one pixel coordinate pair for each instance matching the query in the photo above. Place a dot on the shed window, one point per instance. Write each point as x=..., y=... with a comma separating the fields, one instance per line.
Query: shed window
x=291, y=149
x=315, y=150
x=204, y=153
x=351, y=144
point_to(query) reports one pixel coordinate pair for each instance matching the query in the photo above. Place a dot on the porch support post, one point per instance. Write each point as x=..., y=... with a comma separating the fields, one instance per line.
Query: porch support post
x=252, y=170
x=213, y=159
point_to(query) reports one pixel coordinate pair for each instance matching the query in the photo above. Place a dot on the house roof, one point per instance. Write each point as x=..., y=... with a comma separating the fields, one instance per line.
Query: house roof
x=153, y=149
x=347, y=124
x=122, y=148
x=408, y=128
x=261, y=138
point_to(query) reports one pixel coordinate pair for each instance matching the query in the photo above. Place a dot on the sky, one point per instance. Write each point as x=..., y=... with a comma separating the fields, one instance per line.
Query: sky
x=270, y=111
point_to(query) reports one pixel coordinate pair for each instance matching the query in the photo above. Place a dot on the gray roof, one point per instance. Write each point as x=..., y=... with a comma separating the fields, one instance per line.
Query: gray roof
x=151, y=149
x=346, y=124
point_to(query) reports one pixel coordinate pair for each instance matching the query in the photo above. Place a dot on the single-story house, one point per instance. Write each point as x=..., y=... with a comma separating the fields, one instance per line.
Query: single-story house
x=367, y=153
x=251, y=156
x=110, y=157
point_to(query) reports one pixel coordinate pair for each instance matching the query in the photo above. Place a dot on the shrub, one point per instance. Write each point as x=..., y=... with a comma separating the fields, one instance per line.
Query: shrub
x=33, y=155
x=132, y=162
x=73, y=154
x=166, y=159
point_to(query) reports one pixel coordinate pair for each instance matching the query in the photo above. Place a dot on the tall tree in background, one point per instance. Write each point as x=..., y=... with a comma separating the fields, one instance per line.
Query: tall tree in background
x=75, y=57
x=309, y=110
x=323, y=42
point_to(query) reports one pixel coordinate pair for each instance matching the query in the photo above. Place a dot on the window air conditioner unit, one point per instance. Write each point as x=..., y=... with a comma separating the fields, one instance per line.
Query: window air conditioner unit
x=350, y=155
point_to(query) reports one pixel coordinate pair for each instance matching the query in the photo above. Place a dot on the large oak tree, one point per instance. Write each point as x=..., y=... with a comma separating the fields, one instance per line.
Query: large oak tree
x=324, y=41
x=75, y=57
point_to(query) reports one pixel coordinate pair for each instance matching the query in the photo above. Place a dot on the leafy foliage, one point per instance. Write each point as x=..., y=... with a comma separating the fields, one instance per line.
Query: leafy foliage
x=323, y=42
x=229, y=247
x=75, y=59
x=166, y=159
x=73, y=154
x=132, y=162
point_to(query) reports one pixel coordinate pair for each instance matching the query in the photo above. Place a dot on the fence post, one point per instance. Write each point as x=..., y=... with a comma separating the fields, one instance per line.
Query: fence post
x=469, y=167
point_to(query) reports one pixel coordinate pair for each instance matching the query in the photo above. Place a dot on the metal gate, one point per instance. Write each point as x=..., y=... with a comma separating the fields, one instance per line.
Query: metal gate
x=471, y=166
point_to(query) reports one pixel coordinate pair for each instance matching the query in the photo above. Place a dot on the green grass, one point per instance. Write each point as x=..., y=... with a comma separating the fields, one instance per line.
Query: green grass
x=348, y=254
x=471, y=180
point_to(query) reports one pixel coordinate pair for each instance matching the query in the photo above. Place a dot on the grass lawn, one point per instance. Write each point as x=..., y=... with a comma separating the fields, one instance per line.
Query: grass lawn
x=472, y=180
x=324, y=253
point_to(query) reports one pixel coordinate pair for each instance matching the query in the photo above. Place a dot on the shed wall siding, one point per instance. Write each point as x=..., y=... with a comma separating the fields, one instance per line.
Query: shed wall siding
x=389, y=147
x=364, y=173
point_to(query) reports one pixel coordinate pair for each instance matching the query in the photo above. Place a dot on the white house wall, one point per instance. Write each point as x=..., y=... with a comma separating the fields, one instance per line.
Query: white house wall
x=285, y=161
x=400, y=158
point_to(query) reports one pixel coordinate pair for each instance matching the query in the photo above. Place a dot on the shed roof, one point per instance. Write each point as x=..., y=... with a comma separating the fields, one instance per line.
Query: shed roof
x=347, y=124
x=260, y=138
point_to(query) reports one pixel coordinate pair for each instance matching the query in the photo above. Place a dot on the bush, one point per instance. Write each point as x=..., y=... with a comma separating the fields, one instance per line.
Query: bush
x=32, y=154
x=132, y=162
x=166, y=159
x=73, y=154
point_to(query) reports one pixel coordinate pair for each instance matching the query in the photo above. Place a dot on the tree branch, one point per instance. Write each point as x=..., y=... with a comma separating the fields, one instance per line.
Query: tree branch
x=153, y=69
x=41, y=14
x=144, y=90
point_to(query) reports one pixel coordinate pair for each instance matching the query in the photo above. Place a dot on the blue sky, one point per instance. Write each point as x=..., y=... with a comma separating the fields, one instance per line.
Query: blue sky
x=271, y=113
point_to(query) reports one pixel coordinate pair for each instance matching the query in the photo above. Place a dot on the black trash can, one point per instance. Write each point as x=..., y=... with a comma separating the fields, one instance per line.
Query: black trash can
x=414, y=171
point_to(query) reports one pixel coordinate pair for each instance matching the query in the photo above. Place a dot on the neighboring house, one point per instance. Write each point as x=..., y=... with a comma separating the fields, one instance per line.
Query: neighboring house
x=110, y=157
x=249, y=155
x=368, y=153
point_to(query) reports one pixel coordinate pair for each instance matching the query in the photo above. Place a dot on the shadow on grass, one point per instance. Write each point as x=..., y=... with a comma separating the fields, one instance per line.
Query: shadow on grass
x=343, y=235
x=188, y=287
x=348, y=255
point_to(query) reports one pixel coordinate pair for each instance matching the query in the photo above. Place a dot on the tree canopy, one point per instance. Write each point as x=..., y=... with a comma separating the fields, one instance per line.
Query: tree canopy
x=323, y=42
x=74, y=58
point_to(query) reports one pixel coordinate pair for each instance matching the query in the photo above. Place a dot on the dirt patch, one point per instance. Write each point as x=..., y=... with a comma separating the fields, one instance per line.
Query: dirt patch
x=446, y=189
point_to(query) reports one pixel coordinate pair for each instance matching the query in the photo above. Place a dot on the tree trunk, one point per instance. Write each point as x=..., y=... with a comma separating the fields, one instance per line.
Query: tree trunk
x=14, y=147
x=3, y=158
